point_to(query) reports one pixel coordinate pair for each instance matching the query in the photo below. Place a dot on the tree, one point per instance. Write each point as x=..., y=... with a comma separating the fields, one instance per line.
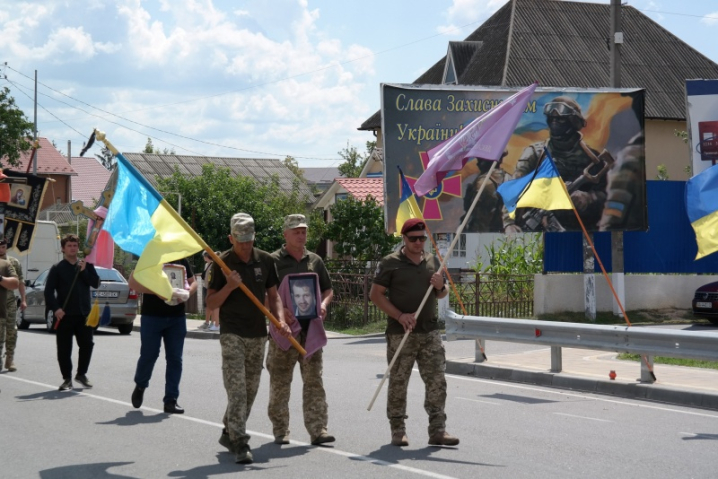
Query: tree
x=14, y=129
x=150, y=148
x=357, y=230
x=210, y=200
x=353, y=160
x=293, y=166
x=106, y=157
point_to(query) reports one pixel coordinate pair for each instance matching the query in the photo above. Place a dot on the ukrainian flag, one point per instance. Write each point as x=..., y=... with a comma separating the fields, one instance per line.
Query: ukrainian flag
x=543, y=189
x=702, y=209
x=408, y=207
x=143, y=223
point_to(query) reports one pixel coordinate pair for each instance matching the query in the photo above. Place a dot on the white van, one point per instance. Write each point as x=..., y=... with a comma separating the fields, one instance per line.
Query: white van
x=45, y=250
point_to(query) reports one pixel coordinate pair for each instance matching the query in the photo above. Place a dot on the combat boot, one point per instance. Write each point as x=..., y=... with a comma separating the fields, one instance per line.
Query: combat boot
x=443, y=438
x=398, y=438
x=9, y=363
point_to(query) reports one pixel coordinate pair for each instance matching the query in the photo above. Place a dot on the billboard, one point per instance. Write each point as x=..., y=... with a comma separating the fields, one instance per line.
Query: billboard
x=702, y=106
x=594, y=136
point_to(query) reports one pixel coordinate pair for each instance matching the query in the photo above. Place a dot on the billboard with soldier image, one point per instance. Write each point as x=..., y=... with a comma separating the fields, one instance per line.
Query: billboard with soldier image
x=595, y=137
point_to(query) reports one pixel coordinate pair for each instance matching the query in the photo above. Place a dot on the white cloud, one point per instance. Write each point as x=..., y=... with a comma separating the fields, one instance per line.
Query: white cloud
x=710, y=19
x=463, y=12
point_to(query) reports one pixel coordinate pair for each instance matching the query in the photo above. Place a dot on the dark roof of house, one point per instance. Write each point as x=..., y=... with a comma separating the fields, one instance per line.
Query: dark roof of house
x=321, y=174
x=565, y=44
x=151, y=166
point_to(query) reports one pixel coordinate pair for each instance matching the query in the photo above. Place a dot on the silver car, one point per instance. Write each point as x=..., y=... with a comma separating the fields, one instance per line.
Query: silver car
x=114, y=292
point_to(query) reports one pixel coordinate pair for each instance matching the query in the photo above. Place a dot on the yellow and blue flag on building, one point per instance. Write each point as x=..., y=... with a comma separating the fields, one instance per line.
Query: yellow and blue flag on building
x=408, y=206
x=143, y=223
x=543, y=189
x=702, y=209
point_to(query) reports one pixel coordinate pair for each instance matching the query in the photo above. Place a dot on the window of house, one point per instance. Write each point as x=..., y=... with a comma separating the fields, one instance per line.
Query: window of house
x=340, y=196
x=447, y=238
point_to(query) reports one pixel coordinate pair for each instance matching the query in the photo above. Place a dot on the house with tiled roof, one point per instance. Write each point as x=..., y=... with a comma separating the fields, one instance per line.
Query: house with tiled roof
x=565, y=44
x=90, y=181
x=50, y=164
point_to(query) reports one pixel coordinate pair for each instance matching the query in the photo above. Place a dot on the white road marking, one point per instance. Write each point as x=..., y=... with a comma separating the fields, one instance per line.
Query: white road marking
x=185, y=417
x=689, y=434
x=583, y=396
x=581, y=417
x=482, y=402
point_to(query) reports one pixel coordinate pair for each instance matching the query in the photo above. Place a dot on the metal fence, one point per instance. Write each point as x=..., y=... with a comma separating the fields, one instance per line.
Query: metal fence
x=508, y=296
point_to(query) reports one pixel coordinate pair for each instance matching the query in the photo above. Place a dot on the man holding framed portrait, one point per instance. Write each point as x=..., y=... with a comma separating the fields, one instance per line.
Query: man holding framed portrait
x=306, y=291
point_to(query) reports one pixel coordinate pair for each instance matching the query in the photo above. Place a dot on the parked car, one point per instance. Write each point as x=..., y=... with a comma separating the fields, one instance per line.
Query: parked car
x=114, y=291
x=705, y=302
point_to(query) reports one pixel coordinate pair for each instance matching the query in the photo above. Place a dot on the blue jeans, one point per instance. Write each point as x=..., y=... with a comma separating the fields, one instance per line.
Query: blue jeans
x=153, y=330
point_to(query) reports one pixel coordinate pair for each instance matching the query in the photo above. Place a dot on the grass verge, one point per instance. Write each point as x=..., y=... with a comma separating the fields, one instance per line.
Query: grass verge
x=693, y=363
x=659, y=316
x=358, y=330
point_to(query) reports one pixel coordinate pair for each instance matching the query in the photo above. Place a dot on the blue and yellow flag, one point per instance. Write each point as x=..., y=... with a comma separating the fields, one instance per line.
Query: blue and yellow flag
x=542, y=189
x=408, y=206
x=702, y=209
x=143, y=223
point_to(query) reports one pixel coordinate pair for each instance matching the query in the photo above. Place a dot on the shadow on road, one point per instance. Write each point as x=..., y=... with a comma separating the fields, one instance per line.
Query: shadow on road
x=95, y=471
x=397, y=455
x=46, y=395
x=262, y=455
x=712, y=437
x=133, y=418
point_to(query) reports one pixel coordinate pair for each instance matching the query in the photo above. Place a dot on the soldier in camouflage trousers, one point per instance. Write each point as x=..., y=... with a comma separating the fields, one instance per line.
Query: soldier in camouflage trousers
x=8, y=325
x=399, y=286
x=294, y=258
x=242, y=327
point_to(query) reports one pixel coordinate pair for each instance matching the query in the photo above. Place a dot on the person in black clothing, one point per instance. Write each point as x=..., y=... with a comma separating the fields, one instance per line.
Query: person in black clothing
x=67, y=295
x=163, y=321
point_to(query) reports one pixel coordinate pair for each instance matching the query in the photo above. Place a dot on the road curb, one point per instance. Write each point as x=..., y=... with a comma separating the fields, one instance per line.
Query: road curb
x=650, y=392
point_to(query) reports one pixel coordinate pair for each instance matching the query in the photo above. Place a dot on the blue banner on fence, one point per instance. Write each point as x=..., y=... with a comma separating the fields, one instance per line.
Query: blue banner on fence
x=669, y=245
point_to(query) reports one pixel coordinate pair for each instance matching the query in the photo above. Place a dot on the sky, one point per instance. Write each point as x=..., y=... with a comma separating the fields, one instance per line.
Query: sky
x=249, y=78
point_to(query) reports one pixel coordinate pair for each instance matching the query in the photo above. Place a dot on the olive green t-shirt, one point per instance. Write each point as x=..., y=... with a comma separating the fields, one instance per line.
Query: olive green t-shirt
x=310, y=263
x=238, y=314
x=406, y=284
x=6, y=270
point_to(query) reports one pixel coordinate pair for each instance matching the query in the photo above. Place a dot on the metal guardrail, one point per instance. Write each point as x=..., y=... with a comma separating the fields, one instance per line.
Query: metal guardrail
x=621, y=339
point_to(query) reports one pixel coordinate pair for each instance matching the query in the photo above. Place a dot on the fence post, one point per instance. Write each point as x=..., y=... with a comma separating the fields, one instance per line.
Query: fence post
x=477, y=287
x=556, y=359
x=366, y=297
x=645, y=372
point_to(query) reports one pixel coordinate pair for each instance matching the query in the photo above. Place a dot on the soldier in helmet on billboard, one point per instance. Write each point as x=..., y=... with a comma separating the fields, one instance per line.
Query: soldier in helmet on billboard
x=581, y=167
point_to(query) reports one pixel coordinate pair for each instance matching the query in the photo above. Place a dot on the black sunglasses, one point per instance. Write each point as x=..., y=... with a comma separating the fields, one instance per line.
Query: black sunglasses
x=414, y=239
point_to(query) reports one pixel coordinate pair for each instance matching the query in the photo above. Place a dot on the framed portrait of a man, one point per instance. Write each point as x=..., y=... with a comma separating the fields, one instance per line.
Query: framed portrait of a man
x=303, y=290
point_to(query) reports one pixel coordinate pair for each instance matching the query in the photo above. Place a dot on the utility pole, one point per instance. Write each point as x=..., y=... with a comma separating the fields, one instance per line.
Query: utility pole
x=34, y=163
x=617, y=267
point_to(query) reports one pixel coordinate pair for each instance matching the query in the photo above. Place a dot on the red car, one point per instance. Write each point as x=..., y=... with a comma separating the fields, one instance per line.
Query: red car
x=705, y=302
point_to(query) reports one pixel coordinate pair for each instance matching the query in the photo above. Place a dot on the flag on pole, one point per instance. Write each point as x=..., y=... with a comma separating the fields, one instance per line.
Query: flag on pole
x=486, y=137
x=143, y=223
x=542, y=189
x=408, y=206
x=702, y=209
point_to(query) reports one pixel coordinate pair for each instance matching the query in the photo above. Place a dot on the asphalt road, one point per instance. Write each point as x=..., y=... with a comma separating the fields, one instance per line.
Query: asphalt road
x=506, y=430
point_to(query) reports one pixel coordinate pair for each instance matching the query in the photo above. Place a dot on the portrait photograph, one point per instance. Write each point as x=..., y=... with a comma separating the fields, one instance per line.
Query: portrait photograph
x=19, y=195
x=304, y=297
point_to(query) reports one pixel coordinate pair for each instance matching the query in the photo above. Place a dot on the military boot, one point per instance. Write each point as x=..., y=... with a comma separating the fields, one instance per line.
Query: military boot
x=9, y=363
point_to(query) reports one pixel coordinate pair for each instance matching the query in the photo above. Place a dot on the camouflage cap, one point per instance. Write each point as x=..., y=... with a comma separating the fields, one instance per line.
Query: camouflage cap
x=294, y=221
x=242, y=227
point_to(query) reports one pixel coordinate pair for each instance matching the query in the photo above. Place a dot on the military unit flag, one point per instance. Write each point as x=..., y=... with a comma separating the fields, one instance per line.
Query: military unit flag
x=702, y=209
x=542, y=189
x=486, y=137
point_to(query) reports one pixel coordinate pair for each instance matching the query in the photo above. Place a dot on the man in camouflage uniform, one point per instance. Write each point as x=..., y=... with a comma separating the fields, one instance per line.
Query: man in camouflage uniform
x=572, y=156
x=242, y=327
x=293, y=258
x=8, y=324
x=487, y=215
x=399, y=286
x=625, y=207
